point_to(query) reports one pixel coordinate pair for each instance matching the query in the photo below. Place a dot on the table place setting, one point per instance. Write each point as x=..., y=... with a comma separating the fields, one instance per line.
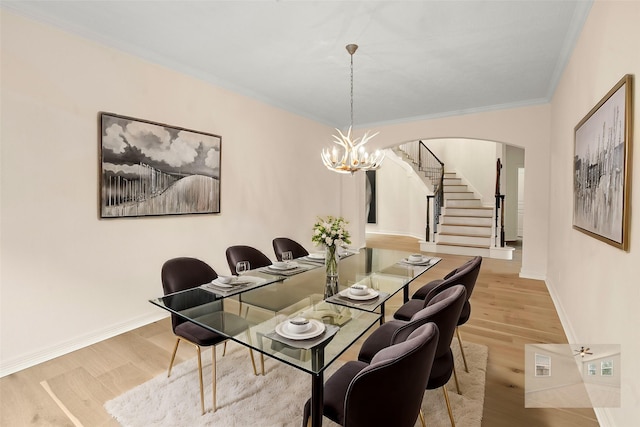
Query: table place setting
x=314, y=257
x=359, y=295
x=229, y=283
x=300, y=332
x=284, y=268
x=419, y=260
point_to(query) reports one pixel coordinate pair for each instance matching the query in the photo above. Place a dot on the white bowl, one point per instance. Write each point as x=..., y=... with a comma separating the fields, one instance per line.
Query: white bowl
x=415, y=257
x=280, y=264
x=298, y=325
x=225, y=279
x=359, y=290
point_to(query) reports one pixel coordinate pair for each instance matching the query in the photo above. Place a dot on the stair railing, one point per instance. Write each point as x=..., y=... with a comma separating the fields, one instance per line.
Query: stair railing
x=433, y=169
x=499, y=207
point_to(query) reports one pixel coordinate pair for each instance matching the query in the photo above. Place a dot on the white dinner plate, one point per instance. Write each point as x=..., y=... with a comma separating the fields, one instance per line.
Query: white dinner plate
x=219, y=284
x=425, y=261
x=316, y=255
x=371, y=294
x=289, y=266
x=316, y=329
x=235, y=281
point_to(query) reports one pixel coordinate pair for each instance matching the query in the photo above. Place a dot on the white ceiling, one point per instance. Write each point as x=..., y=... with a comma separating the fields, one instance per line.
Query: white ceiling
x=417, y=59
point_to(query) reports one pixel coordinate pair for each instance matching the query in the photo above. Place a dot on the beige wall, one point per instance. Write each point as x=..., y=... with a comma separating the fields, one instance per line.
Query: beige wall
x=594, y=285
x=401, y=200
x=69, y=278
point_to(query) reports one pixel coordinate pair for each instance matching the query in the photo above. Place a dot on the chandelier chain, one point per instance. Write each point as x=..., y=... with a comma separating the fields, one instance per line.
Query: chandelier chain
x=351, y=90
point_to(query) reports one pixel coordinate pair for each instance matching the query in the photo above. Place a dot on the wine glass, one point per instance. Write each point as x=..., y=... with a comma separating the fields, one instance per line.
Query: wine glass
x=287, y=256
x=242, y=266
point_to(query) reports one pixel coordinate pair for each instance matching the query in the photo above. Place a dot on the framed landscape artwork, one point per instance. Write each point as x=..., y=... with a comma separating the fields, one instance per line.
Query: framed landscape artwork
x=602, y=163
x=150, y=169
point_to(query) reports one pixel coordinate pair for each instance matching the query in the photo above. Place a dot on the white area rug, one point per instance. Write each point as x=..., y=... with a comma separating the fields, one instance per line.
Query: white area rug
x=277, y=398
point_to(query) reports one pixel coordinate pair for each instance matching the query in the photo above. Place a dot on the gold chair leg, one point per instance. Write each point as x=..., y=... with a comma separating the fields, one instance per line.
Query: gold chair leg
x=424, y=424
x=455, y=377
x=253, y=362
x=200, y=377
x=446, y=399
x=464, y=359
x=173, y=356
x=213, y=377
x=224, y=349
x=262, y=363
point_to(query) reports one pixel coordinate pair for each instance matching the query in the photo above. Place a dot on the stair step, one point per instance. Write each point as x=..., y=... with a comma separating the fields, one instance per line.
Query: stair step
x=448, y=233
x=475, y=210
x=464, y=203
x=455, y=187
x=460, y=195
x=462, y=250
x=452, y=181
x=472, y=221
x=461, y=245
x=465, y=230
x=448, y=238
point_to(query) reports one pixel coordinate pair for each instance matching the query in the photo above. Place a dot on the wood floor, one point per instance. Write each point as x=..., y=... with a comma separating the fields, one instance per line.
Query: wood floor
x=507, y=313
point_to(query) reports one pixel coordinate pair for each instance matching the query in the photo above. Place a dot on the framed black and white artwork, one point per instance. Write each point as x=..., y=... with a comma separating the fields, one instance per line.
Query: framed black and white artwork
x=150, y=169
x=602, y=167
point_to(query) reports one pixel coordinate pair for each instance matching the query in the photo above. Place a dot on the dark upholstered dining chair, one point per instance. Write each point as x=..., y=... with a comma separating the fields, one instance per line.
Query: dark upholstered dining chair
x=284, y=244
x=265, y=298
x=466, y=274
x=238, y=253
x=443, y=310
x=386, y=392
x=179, y=274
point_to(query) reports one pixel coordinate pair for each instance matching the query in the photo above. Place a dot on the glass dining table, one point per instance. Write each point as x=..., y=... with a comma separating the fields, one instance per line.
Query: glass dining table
x=340, y=319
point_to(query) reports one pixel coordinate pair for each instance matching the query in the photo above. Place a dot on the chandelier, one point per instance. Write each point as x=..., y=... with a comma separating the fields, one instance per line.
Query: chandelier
x=352, y=156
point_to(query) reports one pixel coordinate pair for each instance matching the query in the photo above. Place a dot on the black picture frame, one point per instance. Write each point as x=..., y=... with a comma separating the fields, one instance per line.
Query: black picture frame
x=152, y=169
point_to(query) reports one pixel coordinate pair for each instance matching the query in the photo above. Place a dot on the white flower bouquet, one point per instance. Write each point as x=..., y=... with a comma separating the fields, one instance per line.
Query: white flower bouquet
x=331, y=232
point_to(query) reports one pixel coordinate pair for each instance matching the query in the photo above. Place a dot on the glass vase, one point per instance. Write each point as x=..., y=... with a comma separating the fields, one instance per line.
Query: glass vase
x=331, y=261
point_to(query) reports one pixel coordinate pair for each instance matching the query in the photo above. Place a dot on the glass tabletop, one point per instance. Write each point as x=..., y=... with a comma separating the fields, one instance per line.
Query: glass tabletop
x=335, y=326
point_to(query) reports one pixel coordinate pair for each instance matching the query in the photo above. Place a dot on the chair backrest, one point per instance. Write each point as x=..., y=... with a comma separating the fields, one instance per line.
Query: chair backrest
x=437, y=308
x=179, y=274
x=239, y=253
x=284, y=244
x=466, y=275
x=443, y=310
x=389, y=391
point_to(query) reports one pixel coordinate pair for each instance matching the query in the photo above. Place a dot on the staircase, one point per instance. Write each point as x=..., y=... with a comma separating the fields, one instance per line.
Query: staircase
x=465, y=225
x=461, y=225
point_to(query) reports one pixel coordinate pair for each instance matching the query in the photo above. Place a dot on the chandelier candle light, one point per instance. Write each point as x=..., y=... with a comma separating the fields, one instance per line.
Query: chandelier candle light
x=353, y=157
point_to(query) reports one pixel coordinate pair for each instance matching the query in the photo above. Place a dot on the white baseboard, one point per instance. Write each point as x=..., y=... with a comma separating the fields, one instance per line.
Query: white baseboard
x=604, y=419
x=394, y=233
x=532, y=275
x=562, y=314
x=28, y=360
x=602, y=414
